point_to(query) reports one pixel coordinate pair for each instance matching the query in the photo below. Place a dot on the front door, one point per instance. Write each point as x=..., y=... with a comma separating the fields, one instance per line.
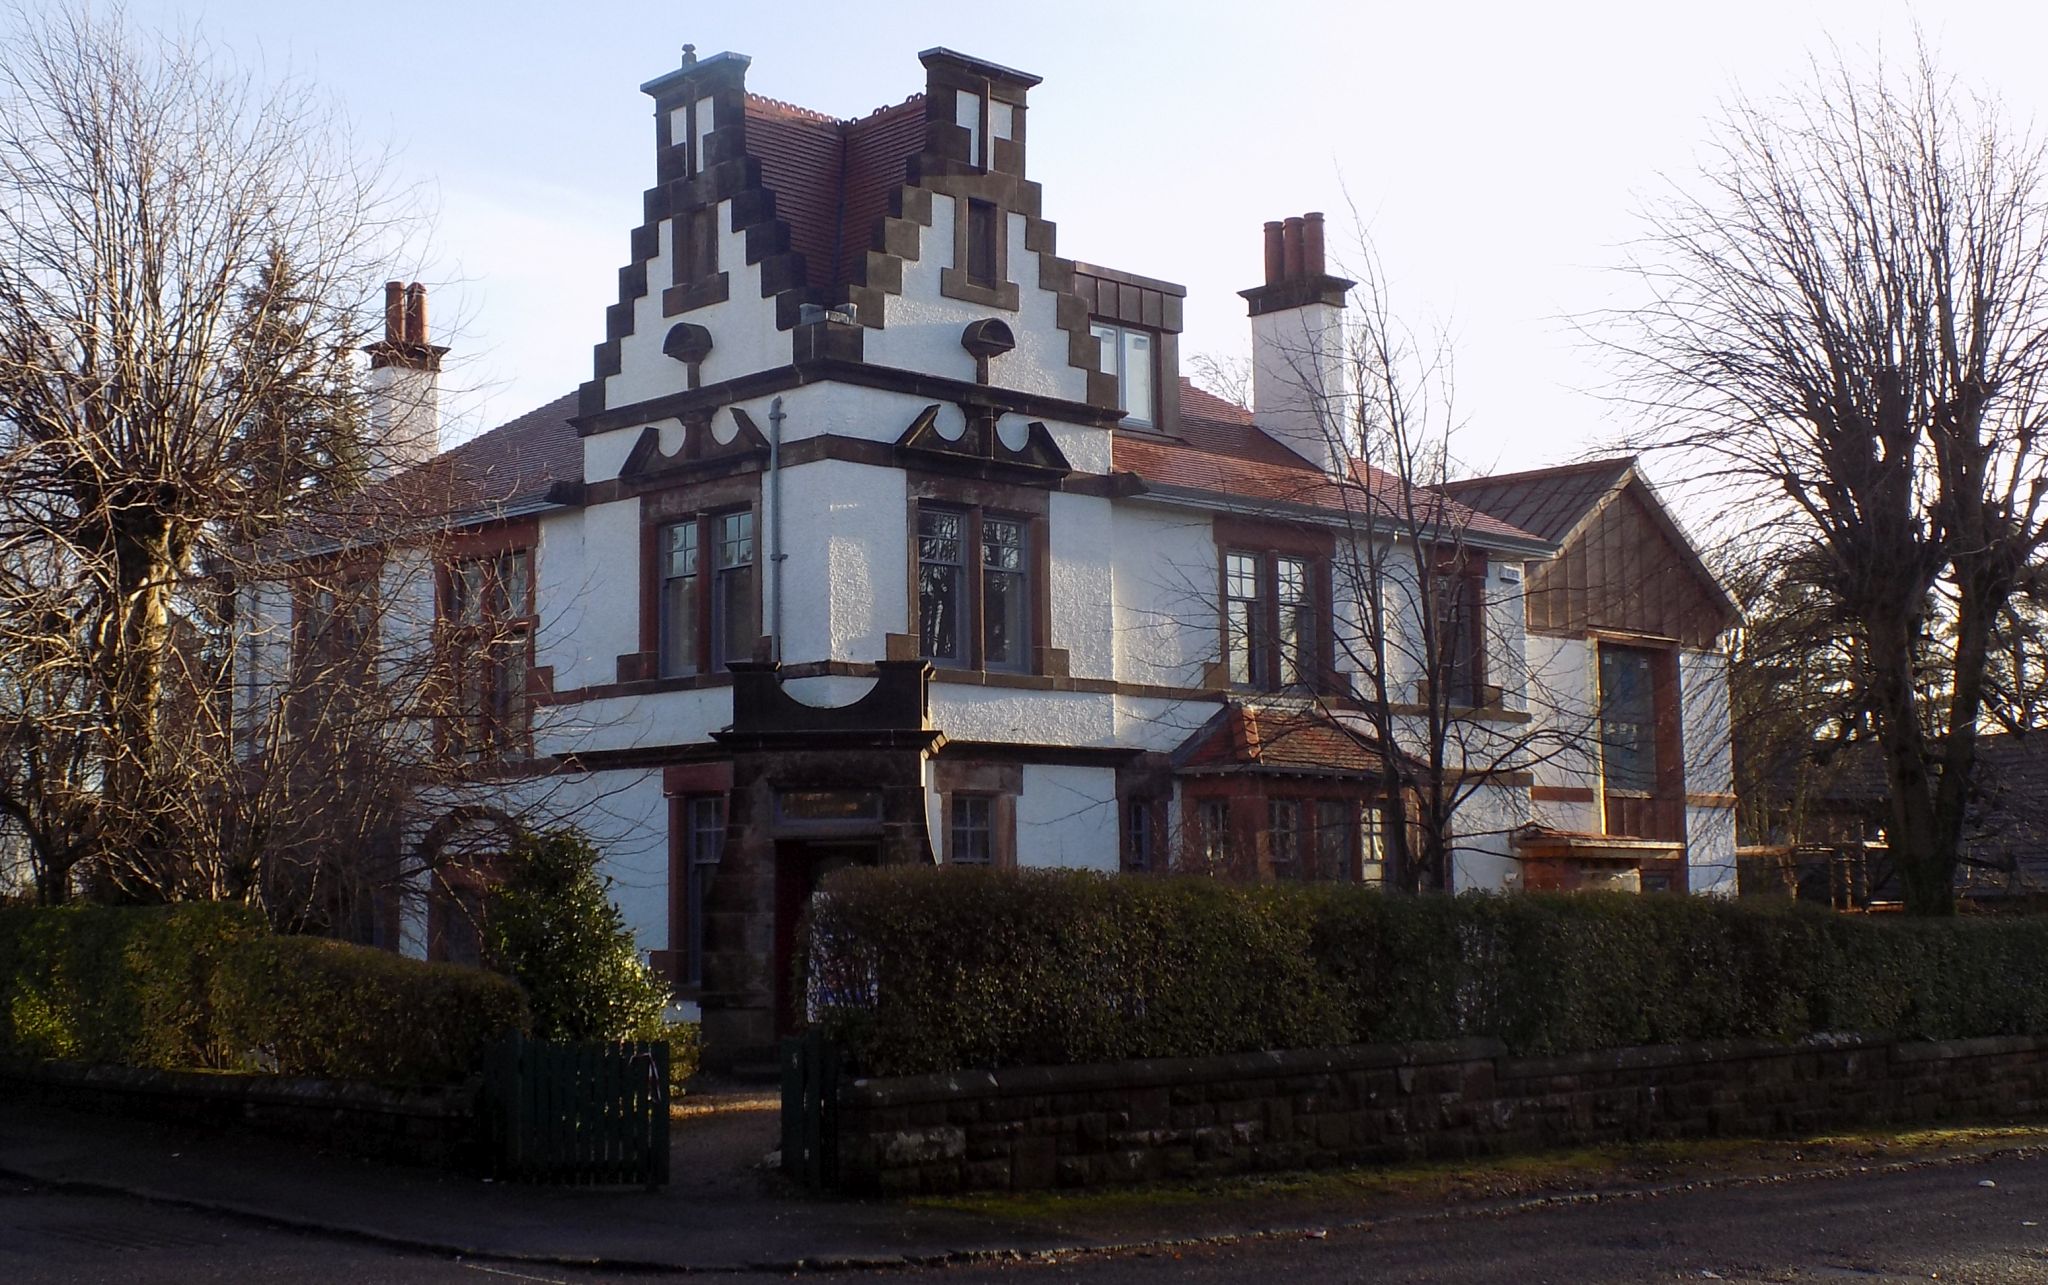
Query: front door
x=799, y=866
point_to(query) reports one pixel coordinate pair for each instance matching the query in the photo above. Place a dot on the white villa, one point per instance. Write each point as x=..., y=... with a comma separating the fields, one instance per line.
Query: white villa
x=883, y=533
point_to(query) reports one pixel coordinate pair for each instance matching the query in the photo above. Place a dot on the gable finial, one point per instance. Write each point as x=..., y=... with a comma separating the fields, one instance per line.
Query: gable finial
x=689, y=55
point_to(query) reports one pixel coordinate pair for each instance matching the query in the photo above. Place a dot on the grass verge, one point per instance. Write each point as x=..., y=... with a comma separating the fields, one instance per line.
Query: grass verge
x=1353, y=1191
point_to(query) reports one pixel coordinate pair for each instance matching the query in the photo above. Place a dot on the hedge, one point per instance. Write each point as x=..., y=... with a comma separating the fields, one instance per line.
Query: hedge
x=205, y=985
x=310, y=1006
x=915, y=970
x=130, y=986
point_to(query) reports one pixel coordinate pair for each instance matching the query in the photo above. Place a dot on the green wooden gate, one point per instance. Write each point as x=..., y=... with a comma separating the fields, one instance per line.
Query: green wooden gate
x=577, y=1113
x=810, y=1098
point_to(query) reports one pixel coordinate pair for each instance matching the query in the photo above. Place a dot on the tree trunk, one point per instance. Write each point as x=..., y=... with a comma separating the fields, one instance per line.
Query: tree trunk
x=1926, y=876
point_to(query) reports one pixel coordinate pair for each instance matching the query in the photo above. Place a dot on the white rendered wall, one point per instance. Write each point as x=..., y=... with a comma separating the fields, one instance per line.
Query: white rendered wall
x=1562, y=686
x=1484, y=860
x=1164, y=582
x=1082, y=588
x=743, y=334
x=1710, y=850
x=1299, y=378
x=1067, y=816
x=921, y=329
x=967, y=712
x=405, y=418
x=846, y=533
x=626, y=816
x=1709, y=769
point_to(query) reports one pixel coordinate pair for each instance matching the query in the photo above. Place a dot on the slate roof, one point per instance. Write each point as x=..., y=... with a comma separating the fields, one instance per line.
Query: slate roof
x=1221, y=451
x=1546, y=502
x=514, y=464
x=1553, y=502
x=512, y=467
x=1252, y=738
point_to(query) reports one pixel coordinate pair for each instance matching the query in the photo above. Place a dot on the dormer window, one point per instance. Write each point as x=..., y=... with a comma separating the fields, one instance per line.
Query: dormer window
x=1130, y=354
x=985, y=119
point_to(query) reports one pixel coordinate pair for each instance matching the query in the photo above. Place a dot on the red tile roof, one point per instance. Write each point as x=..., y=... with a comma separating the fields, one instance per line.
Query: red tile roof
x=1222, y=452
x=831, y=178
x=1249, y=738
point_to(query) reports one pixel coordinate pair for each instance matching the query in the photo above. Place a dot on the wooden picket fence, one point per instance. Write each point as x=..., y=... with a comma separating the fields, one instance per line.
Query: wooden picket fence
x=577, y=1113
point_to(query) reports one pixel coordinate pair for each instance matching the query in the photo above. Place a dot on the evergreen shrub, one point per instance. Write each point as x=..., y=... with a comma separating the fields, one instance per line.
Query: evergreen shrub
x=313, y=1007
x=126, y=985
x=553, y=926
x=205, y=985
x=917, y=970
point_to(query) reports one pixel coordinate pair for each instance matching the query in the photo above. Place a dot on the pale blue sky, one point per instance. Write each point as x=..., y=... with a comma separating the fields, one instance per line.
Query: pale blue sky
x=1496, y=151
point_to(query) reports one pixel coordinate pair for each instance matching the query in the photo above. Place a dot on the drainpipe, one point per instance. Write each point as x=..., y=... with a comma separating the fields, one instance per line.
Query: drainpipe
x=775, y=553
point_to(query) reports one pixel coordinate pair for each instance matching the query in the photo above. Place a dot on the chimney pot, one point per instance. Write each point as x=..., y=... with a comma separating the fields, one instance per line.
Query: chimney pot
x=1275, y=257
x=1291, y=248
x=416, y=314
x=394, y=312
x=1312, y=260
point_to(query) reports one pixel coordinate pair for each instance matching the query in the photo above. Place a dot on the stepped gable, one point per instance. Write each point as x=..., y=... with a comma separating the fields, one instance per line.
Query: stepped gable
x=831, y=178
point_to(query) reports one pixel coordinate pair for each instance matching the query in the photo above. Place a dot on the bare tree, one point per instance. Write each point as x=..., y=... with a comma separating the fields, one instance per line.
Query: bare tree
x=197, y=588
x=1847, y=328
x=1439, y=692
x=1443, y=678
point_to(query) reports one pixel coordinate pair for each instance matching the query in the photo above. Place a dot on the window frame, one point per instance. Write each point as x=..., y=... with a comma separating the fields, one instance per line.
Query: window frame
x=324, y=658
x=1648, y=738
x=971, y=574
x=962, y=807
x=698, y=871
x=708, y=648
x=1460, y=597
x=1285, y=838
x=1121, y=331
x=504, y=717
x=1268, y=665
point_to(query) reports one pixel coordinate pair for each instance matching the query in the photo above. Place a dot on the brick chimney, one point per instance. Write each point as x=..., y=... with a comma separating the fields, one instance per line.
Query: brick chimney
x=405, y=384
x=1299, y=377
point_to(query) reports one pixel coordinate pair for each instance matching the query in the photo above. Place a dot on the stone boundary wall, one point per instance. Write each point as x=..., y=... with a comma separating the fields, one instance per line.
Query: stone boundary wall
x=436, y=1127
x=1111, y=1123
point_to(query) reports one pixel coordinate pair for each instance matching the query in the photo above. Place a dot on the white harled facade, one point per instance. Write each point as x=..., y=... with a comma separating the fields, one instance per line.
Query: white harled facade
x=873, y=556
